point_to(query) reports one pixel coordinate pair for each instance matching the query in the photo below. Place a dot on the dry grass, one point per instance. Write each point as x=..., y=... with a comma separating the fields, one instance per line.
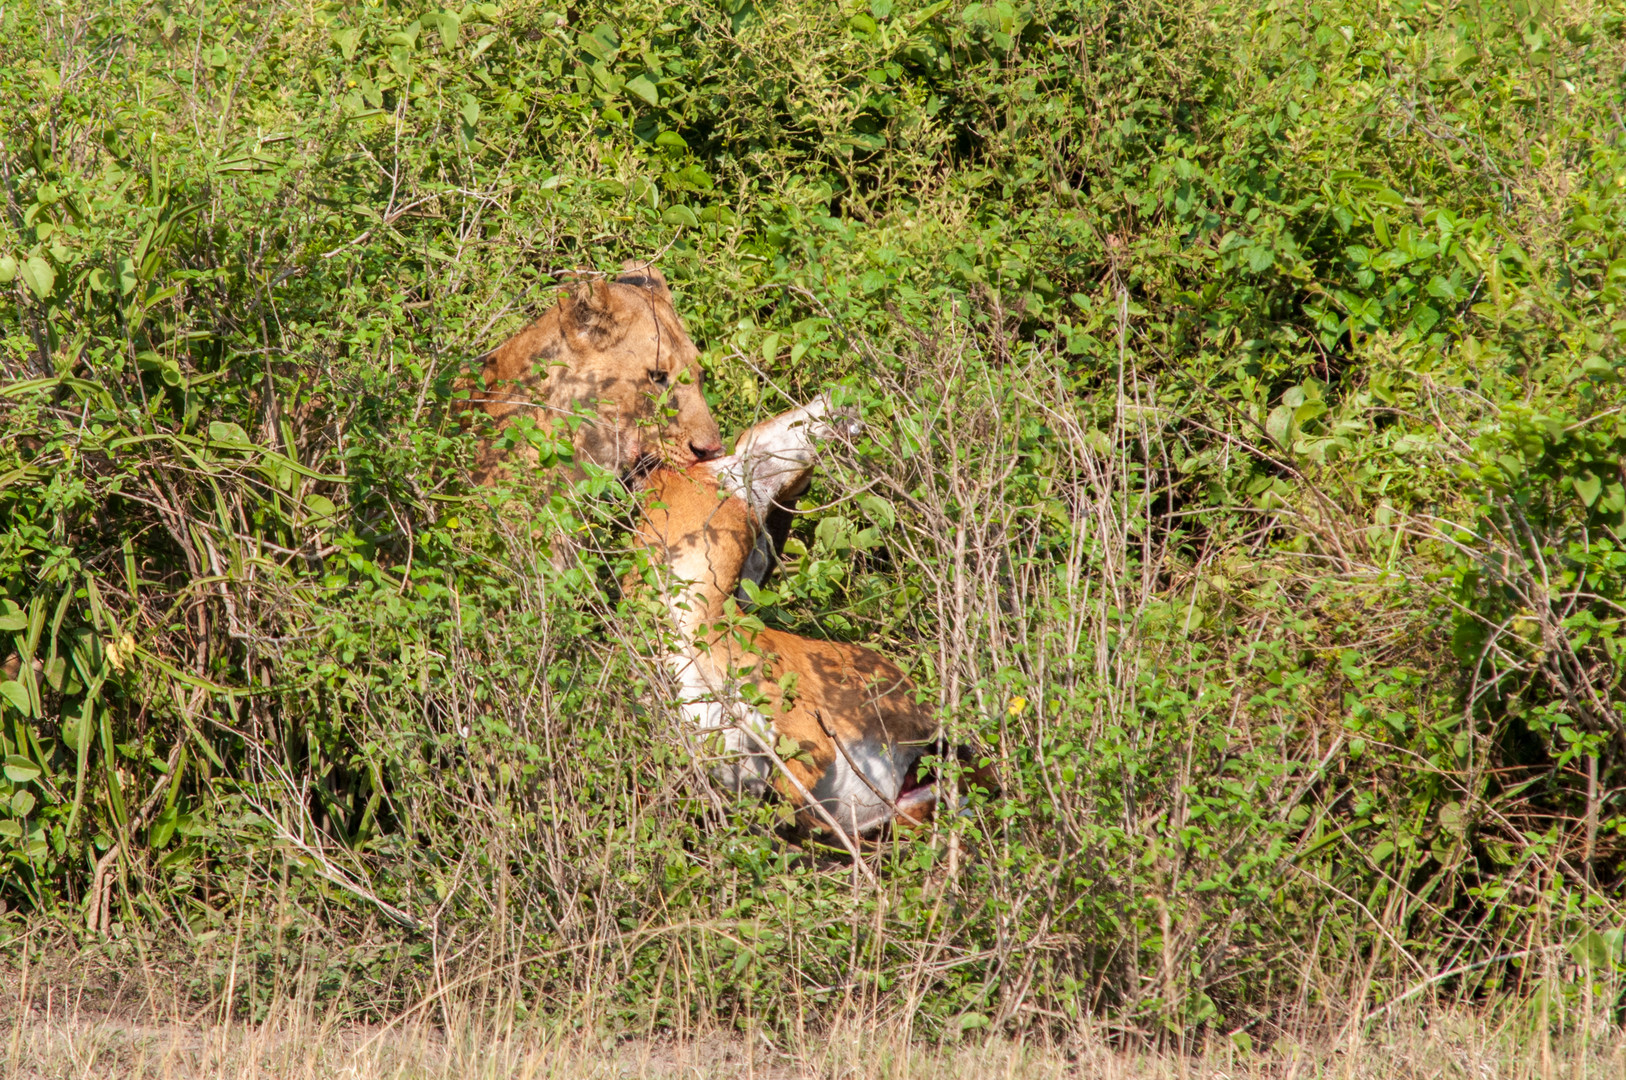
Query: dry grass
x=61, y=1041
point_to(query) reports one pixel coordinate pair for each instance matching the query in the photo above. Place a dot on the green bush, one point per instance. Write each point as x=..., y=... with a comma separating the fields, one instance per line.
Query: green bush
x=1243, y=470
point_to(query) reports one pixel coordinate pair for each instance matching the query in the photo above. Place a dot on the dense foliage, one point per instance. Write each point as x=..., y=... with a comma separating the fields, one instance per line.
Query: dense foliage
x=1244, y=470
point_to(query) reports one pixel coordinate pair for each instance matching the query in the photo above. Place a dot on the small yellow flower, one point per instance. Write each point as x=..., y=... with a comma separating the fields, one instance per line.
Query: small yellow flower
x=119, y=652
x=1016, y=706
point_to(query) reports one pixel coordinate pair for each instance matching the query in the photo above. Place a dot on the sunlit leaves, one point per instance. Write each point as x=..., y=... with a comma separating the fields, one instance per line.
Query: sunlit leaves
x=346, y=39
x=1352, y=278
x=38, y=275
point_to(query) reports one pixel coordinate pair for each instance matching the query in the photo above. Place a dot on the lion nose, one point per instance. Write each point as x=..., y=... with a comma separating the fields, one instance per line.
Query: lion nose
x=706, y=451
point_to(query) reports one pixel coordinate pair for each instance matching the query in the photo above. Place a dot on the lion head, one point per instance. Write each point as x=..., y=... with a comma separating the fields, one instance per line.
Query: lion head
x=616, y=349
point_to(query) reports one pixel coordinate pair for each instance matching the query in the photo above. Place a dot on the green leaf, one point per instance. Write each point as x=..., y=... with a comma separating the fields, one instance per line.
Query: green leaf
x=74, y=728
x=16, y=694
x=967, y=1021
x=832, y=533
x=55, y=669
x=1591, y=950
x=1598, y=367
x=640, y=85
x=680, y=215
x=400, y=59
x=228, y=434
x=320, y=506
x=166, y=367
x=449, y=26
x=181, y=858
x=1588, y=487
x=19, y=770
x=601, y=43
x=879, y=511
x=23, y=803
x=406, y=38
x=671, y=140
x=163, y=827
x=694, y=176
x=38, y=276
x=1278, y=423
x=1425, y=318
x=346, y=41
x=930, y=11
x=1308, y=411
x=8, y=269
x=1386, y=196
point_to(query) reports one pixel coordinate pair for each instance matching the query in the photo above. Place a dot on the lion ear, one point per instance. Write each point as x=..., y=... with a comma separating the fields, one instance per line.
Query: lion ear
x=586, y=312
x=643, y=275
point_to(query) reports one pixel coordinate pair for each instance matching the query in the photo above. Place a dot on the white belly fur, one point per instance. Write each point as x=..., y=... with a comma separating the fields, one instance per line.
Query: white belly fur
x=725, y=731
x=855, y=804
x=721, y=731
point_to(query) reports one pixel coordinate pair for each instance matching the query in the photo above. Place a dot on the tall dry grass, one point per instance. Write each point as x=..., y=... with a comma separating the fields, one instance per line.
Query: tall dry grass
x=69, y=1046
x=70, y=1015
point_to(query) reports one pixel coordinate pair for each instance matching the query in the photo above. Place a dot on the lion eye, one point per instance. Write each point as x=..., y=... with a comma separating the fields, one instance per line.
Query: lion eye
x=658, y=378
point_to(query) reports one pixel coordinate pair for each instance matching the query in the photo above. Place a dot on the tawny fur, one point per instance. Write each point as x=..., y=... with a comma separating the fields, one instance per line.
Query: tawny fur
x=840, y=696
x=613, y=348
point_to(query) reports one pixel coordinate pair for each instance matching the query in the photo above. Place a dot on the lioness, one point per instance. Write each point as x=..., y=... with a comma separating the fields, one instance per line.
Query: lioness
x=617, y=348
